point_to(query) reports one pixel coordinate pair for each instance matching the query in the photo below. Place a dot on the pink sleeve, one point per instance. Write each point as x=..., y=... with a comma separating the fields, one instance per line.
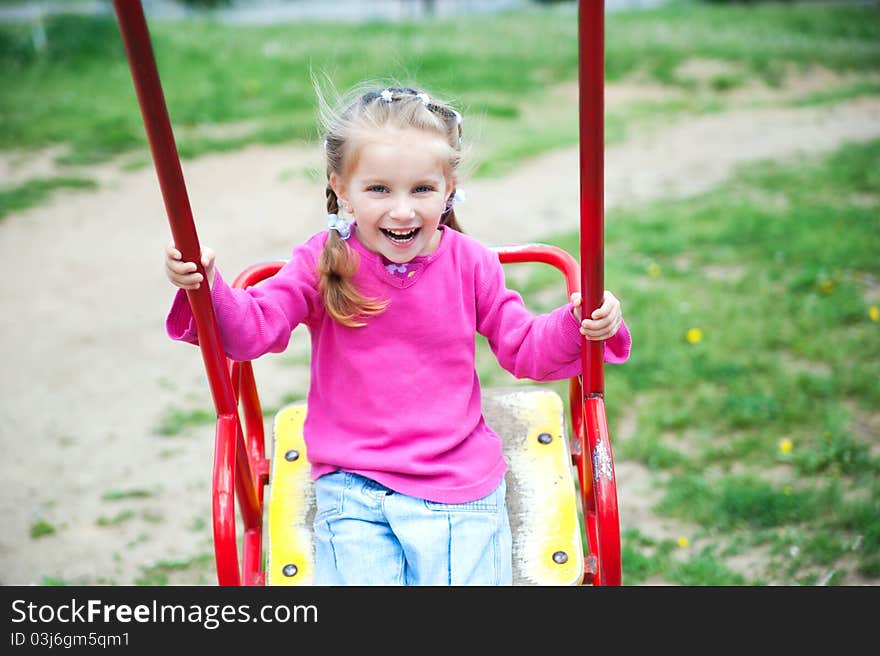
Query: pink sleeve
x=180, y=324
x=256, y=320
x=618, y=346
x=540, y=347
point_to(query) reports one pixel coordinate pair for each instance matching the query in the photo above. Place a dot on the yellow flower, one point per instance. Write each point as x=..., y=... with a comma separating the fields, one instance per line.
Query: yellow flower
x=787, y=490
x=785, y=445
x=682, y=541
x=694, y=335
x=654, y=270
x=874, y=313
x=826, y=286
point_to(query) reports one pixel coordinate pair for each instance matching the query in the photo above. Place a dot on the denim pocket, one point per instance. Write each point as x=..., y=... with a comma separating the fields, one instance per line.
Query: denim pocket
x=329, y=494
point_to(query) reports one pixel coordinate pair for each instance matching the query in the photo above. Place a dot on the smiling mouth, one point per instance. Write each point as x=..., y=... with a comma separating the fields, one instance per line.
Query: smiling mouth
x=400, y=235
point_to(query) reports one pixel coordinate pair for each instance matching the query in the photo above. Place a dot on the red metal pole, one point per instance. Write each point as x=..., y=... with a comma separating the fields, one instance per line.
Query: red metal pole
x=136, y=38
x=596, y=464
x=591, y=73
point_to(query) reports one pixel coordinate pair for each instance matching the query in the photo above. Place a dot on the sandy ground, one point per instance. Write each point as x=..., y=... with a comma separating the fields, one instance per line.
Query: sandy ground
x=88, y=373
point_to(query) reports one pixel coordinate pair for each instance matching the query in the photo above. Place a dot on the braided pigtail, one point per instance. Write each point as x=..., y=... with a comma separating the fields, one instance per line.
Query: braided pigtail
x=336, y=268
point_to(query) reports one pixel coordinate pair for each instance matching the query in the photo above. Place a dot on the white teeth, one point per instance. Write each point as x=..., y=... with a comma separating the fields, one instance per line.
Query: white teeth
x=400, y=235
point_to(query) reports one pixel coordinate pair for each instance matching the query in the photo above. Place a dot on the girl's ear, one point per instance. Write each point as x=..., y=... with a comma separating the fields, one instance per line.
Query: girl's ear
x=451, y=182
x=337, y=184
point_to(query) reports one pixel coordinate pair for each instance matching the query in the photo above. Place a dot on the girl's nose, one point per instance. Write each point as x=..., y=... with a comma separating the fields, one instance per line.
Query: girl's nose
x=402, y=210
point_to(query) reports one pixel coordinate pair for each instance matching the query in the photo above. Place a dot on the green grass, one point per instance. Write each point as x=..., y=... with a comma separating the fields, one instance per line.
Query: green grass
x=254, y=82
x=41, y=528
x=135, y=493
x=705, y=569
x=163, y=571
x=175, y=420
x=37, y=190
x=762, y=39
x=54, y=581
x=778, y=268
x=843, y=92
x=117, y=519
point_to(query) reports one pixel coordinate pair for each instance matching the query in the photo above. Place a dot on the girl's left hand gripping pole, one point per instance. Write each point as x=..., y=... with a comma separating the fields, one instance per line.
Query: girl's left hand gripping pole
x=141, y=60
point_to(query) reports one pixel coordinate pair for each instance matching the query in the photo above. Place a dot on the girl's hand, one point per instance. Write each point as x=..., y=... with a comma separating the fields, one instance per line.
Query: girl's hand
x=183, y=274
x=605, y=320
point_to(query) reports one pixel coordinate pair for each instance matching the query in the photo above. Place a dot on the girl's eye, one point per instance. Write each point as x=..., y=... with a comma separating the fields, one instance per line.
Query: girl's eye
x=421, y=189
x=377, y=188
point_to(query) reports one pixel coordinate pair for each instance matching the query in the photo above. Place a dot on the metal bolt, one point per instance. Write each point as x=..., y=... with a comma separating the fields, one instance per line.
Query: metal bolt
x=560, y=557
x=545, y=438
x=291, y=455
x=290, y=570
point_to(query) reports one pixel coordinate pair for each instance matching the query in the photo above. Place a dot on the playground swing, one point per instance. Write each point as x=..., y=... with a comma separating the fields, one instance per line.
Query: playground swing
x=549, y=514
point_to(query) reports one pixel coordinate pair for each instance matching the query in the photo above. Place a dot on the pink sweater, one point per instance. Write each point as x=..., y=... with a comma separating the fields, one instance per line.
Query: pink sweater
x=398, y=400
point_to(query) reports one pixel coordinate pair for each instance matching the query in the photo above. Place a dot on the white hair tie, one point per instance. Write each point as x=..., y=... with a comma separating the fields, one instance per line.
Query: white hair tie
x=340, y=225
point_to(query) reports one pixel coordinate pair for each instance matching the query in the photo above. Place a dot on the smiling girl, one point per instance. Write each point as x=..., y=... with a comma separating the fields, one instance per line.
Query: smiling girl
x=409, y=477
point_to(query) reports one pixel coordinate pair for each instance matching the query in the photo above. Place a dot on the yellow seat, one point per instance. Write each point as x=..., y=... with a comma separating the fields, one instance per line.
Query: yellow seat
x=541, y=497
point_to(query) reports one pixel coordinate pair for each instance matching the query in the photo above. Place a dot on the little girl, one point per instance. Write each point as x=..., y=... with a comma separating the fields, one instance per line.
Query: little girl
x=409, y=478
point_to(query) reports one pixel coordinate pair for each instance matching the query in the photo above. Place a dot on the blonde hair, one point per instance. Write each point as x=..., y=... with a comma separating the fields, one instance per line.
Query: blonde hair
x=345, y=128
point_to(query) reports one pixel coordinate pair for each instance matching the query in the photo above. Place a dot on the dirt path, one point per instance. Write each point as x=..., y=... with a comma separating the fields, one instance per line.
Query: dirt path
x=88, y=372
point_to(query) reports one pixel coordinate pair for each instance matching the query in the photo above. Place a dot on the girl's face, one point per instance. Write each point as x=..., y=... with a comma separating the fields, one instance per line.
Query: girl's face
x=397, y=188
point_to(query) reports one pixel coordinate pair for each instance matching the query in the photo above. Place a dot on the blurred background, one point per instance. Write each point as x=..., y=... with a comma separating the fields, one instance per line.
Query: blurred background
x=242, y=12
x=742, y=233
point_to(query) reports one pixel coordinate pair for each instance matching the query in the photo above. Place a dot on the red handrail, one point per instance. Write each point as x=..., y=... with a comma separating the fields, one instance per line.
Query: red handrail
x=597, y=469
x=142, y=62
x=591, y=108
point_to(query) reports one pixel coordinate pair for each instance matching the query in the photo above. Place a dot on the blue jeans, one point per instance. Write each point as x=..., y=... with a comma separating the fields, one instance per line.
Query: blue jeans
x=367, y=534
